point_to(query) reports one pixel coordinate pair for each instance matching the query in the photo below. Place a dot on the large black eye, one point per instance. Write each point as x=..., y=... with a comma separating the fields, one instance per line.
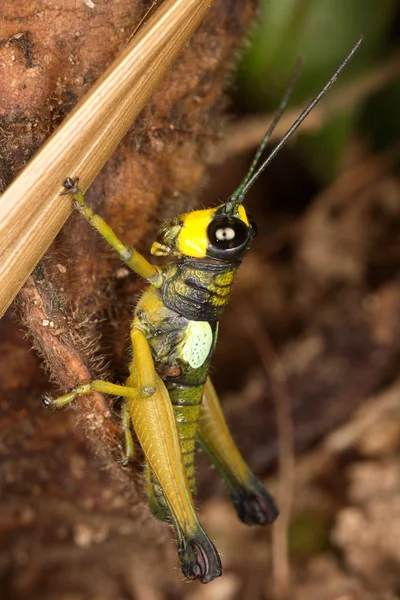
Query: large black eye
x=227, y=233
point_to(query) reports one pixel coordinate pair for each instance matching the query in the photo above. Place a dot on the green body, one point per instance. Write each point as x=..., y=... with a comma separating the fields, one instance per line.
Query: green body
x=168, y=397
x=176, y=340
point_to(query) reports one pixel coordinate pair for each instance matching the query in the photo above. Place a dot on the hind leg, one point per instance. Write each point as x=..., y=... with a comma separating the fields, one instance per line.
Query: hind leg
x=154, y=423
x=253, y=503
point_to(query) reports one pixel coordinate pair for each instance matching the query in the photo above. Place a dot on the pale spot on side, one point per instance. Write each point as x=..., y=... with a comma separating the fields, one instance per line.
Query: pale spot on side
x=197, y=343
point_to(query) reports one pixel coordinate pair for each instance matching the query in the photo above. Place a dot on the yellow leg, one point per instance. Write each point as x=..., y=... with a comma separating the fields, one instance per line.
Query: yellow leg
x=155, y=427
x=145, y=372
x=130, y=256
x=97, y=385
x=253, y=503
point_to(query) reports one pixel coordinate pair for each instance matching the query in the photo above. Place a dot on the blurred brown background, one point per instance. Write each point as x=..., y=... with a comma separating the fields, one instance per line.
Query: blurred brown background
x=308, y=356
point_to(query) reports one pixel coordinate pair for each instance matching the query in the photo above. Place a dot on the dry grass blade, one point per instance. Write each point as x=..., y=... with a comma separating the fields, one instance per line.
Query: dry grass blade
x=31, y=210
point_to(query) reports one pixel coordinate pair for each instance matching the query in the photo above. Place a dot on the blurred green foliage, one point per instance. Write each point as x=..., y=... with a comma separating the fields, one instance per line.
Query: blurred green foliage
x=322, y=32
x=308, y=535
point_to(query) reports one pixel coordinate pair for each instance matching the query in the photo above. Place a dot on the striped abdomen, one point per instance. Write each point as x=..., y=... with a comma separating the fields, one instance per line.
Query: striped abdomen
x=186, y=402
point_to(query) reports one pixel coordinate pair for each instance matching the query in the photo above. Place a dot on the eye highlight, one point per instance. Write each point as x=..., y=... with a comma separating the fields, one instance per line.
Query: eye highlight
x=225, y=234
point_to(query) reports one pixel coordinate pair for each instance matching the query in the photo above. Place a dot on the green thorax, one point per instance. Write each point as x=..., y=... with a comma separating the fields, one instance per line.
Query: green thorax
x=198, y=290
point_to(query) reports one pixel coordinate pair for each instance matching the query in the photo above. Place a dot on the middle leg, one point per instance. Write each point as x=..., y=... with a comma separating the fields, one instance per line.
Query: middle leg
x=97, y=385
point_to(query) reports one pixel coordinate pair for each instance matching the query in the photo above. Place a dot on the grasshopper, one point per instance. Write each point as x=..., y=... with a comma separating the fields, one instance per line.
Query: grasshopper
x=168, y=398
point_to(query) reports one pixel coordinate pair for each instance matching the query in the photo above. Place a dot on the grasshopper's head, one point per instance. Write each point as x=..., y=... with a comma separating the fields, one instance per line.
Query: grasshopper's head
x=225, y=232
x=218, y=233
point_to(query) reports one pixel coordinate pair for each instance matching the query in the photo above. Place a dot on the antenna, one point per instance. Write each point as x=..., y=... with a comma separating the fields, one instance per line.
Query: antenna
x=237, y=197
x=274, y=122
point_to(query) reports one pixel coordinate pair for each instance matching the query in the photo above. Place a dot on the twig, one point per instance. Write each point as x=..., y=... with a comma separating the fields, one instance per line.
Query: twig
x=383, y=406
x=248, y=133
x=349, y=185
x=374, y=410
x=277, y=379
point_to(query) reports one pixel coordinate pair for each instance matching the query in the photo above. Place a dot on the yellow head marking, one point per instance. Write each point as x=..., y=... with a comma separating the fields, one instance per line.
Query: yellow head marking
x=192, y=239
x=243, y=215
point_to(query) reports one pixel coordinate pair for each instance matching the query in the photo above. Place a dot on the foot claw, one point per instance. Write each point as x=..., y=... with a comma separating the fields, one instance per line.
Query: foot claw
x=199, y=558
x=71, y=186
x=46, y=400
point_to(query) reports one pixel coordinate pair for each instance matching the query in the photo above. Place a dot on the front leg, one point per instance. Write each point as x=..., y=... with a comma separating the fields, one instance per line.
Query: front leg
x=254, y=505
x=131, y=257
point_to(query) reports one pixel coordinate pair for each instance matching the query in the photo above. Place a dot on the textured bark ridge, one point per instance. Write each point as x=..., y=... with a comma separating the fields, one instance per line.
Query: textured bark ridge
x=72, y=521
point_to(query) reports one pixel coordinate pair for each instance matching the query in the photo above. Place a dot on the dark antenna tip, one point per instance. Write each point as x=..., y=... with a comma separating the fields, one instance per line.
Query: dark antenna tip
x=239, y=194
x=232, y=202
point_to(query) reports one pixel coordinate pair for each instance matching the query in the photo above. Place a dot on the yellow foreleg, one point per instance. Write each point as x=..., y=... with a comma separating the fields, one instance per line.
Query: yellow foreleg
x=131, y=257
